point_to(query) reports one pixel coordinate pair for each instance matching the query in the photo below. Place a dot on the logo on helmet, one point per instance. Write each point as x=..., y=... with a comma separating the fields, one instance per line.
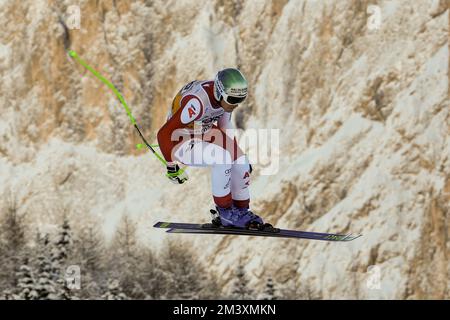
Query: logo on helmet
x=238, y=91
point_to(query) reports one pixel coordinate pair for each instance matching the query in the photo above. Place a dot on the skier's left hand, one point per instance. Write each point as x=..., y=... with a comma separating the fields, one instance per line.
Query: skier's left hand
x=175, y=174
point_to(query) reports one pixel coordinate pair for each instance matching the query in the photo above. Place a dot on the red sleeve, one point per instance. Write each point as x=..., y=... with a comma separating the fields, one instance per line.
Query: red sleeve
x=191, y=109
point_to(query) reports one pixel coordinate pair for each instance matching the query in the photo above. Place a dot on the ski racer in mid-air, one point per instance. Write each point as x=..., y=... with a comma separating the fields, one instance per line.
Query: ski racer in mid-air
x=196, y=134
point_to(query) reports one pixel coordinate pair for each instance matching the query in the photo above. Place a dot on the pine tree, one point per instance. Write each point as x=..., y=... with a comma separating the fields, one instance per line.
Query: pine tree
x=291, y=291
x=114, y=291
x=270, y=290
x=89, y=254
x=60, y=254
x=91, y=250
x=126, y=260
x=26, y=286
x=210, y=286
x=46, y=286
x=152, y=276
x=12, y=245
x=240, y=288
x=182, y=273
x=62, y=244
x=8, y=295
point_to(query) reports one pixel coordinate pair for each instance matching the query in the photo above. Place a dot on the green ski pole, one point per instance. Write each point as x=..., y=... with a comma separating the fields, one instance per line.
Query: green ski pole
x=75, y=56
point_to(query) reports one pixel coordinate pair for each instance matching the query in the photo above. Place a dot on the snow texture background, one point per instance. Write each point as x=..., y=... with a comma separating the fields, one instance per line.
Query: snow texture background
x=364, y=127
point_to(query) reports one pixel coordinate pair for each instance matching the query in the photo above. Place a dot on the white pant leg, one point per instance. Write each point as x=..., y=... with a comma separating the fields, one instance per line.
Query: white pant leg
x=198, y=153
x=240, y=179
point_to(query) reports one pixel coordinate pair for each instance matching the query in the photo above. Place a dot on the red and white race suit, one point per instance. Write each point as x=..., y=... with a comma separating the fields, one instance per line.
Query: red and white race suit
x=198, y=132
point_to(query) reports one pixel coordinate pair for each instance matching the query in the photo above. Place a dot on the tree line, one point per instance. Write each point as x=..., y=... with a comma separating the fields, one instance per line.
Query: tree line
x=80, y=264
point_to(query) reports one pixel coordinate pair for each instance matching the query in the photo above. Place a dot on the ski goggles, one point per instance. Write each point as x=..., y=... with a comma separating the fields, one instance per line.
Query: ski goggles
x=232, y=100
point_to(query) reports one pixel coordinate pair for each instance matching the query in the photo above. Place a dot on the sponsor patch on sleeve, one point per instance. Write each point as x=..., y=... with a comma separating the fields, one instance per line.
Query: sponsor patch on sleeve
x=191, y=110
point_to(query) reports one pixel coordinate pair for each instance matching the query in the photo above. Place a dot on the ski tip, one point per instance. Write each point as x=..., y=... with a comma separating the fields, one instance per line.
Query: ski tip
x=161, y=225
x=351, y=237
x=343, y=237
x=72, y=53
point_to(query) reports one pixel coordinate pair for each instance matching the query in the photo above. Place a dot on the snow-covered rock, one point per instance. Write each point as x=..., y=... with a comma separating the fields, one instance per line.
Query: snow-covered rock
x=359, y=95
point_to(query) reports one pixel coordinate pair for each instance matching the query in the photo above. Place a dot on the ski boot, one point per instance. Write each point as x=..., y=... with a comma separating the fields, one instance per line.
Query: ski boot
x=241, y=218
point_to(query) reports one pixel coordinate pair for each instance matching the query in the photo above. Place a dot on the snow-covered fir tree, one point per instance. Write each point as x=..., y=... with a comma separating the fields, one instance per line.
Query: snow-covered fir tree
x=210, y=287
x=152, y=276
x=240, y=289
x=269, y=290
x=126, y=261
x=62, y=244
x=114, y=291
x=60, y=254
x=89, y=254
x=7, y=294
x=26, y=284
x=12, y=245
x=292, y=291
x=182, y=273
x=90, y=249
x=46, y=286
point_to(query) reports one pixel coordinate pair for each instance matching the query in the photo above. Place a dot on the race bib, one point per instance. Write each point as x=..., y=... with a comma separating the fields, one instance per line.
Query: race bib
x=191, y=111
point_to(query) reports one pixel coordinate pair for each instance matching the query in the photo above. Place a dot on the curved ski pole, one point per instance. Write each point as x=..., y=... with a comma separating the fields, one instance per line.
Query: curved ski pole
x=75, y=56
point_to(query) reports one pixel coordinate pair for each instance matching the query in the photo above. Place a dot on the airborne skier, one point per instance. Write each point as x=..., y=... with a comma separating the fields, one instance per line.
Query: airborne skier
x=192, y=136
x=196, y=134
x=190, y=130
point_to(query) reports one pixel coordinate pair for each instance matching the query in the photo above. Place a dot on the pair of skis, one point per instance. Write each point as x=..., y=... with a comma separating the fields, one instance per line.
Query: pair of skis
x=210, y=228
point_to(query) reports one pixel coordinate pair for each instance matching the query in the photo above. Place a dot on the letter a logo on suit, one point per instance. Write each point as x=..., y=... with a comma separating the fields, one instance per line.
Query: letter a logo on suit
x=191, y=111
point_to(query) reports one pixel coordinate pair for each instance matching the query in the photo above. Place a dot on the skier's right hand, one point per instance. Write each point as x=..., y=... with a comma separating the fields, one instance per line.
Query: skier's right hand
x=175, y=174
